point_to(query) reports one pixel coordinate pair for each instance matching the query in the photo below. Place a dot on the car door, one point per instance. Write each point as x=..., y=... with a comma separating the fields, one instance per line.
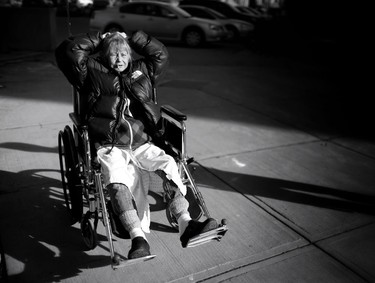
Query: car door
x=198, y=12
x=133, y=17
x=162, y=22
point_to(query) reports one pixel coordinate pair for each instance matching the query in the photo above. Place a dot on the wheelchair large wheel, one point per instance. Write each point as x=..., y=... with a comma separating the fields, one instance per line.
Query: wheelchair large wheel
x=70, y=177
x=194, y=208
x=89, y=234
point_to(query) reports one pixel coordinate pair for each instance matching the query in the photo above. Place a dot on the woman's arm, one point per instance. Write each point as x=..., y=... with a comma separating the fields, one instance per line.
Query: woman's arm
x=154, y=52
x=72, y=55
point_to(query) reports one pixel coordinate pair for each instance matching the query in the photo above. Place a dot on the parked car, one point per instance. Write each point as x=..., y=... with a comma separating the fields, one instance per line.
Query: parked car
x=253, y=12
x=77, y=8
x=161, y=20
x=37, y=3
x=173, y=2
x=10, y=3
x=248, y=10
x=226, y=9
x=236, y=28
x=100, y=4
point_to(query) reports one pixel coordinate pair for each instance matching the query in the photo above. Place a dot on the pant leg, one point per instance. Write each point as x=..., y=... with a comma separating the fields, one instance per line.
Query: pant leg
x=124, y=206
x=179, y=205
x=152, y=158
x=117, y=168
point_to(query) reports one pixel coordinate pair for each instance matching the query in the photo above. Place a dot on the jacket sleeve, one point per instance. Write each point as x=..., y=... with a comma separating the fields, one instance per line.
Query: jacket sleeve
x=72, y=55
x=155, y=54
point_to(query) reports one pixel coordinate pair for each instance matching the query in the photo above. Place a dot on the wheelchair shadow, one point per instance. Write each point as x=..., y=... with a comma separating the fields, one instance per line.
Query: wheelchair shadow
x=295, y=192
x=157, y=204
x=28, y=147
x=38, y=241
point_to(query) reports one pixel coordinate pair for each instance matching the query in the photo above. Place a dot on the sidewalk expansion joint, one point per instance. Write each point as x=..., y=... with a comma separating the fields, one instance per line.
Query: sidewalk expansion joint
x=352, y=150
x=260, y=149
x=40, y=126
x=267, y=258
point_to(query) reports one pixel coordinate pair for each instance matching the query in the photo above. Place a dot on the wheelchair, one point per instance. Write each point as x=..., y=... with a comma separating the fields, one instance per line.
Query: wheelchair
x=84, y=189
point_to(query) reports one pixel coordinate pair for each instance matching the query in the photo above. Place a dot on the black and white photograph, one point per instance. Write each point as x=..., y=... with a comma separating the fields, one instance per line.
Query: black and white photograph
x=185, y=141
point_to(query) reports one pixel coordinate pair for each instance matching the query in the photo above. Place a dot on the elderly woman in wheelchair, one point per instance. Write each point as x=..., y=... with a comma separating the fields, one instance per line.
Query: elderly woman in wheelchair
x=118, y=124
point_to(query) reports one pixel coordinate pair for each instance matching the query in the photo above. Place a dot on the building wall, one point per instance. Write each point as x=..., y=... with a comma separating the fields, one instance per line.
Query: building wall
x=28, y=28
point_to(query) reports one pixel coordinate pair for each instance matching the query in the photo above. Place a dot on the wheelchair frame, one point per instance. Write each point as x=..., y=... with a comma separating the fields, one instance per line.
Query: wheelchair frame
x=82, y=179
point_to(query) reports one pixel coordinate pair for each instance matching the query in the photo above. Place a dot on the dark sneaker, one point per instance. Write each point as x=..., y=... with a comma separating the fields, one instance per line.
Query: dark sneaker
x=140, y=248
x=195, y=228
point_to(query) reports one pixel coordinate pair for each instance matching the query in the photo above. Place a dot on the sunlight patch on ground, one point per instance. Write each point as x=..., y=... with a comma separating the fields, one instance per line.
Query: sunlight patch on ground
x=238, y=163
x=14, y=266
x=52, y=248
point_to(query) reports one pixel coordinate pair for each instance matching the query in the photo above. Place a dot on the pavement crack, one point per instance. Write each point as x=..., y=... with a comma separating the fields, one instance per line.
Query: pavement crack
x=259, y=150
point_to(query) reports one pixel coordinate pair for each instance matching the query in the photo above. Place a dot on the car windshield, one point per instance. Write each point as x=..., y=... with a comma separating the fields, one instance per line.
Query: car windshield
x=243, y=10
x=218, y=15
x=181, y=12
x=141, y=8
x=235, y=9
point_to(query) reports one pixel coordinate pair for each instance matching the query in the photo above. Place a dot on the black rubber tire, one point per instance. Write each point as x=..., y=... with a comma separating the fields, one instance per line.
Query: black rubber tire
x=233, y=33
x=90, y=237
x=69, y=169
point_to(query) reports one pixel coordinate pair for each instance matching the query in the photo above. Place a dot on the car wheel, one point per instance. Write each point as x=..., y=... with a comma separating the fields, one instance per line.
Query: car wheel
x=113, y=28
x=193, y=37
x=232, y=33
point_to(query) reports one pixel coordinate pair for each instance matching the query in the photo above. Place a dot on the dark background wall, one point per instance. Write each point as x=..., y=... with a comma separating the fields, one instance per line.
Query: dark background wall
x=28, y=28
x=36, y=28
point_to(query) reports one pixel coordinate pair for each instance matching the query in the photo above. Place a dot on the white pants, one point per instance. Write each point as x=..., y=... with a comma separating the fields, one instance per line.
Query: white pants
x=118, y=164
x=124, y=166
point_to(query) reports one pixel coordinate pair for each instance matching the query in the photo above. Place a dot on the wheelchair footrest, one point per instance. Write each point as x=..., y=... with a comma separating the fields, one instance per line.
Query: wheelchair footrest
x=117, y=262
x=209, y=236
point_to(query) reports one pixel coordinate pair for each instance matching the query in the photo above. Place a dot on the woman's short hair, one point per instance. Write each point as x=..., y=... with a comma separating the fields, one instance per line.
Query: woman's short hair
x=117, y=41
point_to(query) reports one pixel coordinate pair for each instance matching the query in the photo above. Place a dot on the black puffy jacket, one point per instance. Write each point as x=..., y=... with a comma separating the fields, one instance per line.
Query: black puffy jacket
x=108, y=93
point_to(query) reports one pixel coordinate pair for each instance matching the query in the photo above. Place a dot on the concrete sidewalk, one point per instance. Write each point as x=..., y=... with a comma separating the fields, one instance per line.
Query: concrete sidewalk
x=272, y=157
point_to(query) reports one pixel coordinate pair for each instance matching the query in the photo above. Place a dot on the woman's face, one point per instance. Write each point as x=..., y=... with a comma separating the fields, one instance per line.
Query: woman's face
x=118, y=58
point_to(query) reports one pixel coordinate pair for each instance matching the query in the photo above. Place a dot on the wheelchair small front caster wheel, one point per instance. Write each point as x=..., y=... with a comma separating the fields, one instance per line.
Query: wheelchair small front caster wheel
x=88, y=233
x=116, y=260
x=224, y=222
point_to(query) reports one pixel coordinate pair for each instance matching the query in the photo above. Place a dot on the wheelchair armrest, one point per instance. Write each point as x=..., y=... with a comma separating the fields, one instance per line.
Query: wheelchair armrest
x=174, y=113
x=77, y=120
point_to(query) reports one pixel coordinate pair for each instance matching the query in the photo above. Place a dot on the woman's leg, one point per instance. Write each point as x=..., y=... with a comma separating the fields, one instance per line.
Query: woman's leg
x=114, y=170
x=123, y=206
x=187, y=227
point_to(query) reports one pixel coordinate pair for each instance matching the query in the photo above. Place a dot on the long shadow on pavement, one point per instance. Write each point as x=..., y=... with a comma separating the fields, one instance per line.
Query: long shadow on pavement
x=295, y=192
x=39, y=242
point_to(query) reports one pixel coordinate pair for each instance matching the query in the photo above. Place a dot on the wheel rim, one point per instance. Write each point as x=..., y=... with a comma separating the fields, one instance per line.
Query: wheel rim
x=231, y=34
x=193, y=38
